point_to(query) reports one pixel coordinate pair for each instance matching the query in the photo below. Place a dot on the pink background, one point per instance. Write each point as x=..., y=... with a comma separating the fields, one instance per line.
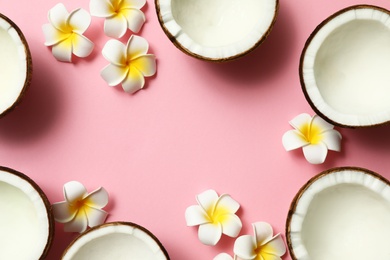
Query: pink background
x=195, y=126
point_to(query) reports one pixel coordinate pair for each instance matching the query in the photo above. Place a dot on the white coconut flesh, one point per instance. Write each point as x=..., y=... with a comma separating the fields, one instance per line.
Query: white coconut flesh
x=342, y=215
x=345, y=67
x=13, y=65
x=218, y=29
x=24, y=221
x=113, y=241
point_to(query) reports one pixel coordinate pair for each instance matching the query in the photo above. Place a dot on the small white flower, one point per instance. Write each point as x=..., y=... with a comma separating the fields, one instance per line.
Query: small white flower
x=119, y=14
x=224, y=256
x=65, y=33
x=262, y=246
x=314, y=135
x=128, y=64
x=215, y=216
x=80, y=209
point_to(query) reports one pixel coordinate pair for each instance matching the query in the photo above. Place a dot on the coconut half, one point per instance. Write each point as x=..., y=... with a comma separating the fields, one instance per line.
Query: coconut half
x=15, y=65
x=342, y=213
x=116, y=240
x=344, y=67
x=26, y=220
x=217, y=30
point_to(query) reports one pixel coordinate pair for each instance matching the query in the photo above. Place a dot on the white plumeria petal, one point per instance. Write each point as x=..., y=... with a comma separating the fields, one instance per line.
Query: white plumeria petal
x=95, y=216
x=74, y=191
x=223, y=256
x=97, y=199
x=195, y=215
x=62, y=51
x=231, y=226
x=135, y=19
x=138, y=4
x=115, y=26
x=244, y=247
x=136, y=46
x=207, y=199
x=115, y=52
x=300, y=120
x=315, y=153
x=146, y=64
x=101, y=8
x=81, y=45
x=275, y=246
x=53, y=35
x=332, y=138
x=63, y=212
x=293, y=139
x=58, y=16
x=263, y=232
x=78, y=224
x=210, y=234
x=227, y=203
x=321, y=123
x=134, y=81
x=113, y=74
x=79, y=20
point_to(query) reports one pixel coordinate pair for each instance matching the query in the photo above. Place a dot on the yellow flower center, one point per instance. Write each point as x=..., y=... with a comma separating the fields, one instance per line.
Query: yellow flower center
x=311, y=133
x=218, y=216
x=117, y=6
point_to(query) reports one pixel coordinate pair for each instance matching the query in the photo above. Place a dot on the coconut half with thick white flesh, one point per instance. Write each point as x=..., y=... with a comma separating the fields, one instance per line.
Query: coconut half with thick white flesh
x=26, y=219
x=217, y=30
x=344, y=68
x=15, y=65
x=116, y=240
x=342, y=213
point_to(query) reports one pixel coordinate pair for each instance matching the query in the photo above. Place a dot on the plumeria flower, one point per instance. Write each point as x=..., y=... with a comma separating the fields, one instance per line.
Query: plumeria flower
x=262, y=246
x=128, y=64
x=314, y=135
x=215, y=216
x=119, y=14
x=224, y=256
x=65, y=33
x=80, y=209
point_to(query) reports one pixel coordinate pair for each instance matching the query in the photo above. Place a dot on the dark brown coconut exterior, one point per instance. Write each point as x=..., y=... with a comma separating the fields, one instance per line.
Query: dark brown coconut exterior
x=298, y=196
x=186, y=51
x=49, y=211
x=119, y=223
x=29, y=66
x=308, y=42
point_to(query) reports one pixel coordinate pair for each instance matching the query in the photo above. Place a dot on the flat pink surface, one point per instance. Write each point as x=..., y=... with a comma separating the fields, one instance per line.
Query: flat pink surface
x=195, y=126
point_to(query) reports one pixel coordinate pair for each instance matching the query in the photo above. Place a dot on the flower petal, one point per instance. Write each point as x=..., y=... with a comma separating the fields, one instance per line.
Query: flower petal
x=74, y=191
x=113, y=74
x=97, y=199
x=79, y=20
x=53, y=35
x=227, y=203
x=263, y=232
x=300, y=120
x=77, y=224
x=265, y=256
x=134, y=81
x=244, y=247
x=133, y=3
x=101, y=8
x=210, y=234
x=63, y=50
x=223, y=256
x=58, y=16
x=275, y=246
x=136, y=46
x=207, y=200
x=321, y=123
x=95, y=216
x=63, y=212
x=332, y=138
x=115, y=26
x=115, y=52
x=315, y=153
x=231, y=226
x=146, y=64
x=135, y=19
x=82, y=46
x=195, y=215
x=293, y=139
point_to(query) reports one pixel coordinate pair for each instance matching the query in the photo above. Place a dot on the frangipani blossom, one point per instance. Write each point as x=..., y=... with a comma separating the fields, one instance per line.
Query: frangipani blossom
x=215, y=216
x=262, y=246
x=80, y=209
x=119, y=14
x=65, y=33
x=314, y=135
x=128, y=64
